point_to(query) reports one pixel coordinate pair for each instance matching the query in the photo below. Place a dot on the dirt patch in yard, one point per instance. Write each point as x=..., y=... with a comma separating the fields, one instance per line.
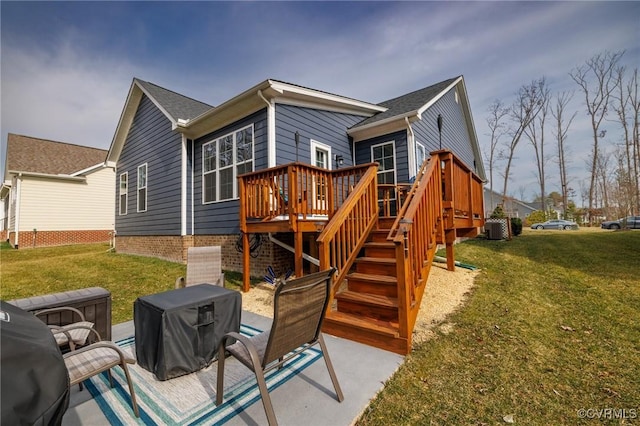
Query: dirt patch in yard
x=446, y=291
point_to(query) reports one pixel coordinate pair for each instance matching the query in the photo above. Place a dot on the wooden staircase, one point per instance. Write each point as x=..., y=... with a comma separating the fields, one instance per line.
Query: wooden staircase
x=366, y=305
x=382, y=263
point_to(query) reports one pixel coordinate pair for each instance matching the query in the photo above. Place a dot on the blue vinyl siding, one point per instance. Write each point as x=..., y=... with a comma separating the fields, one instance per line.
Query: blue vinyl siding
x=455, y=135
x=363, y=152
x=329, y=128
x=223, y=218
x=150, y=140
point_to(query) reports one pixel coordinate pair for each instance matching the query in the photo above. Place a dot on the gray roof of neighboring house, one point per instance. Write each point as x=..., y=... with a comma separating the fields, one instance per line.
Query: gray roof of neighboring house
x=175, y=104
x=406, y=103
x=27, y=154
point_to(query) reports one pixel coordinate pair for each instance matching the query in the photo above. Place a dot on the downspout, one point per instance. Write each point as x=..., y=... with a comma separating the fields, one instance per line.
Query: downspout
x=16, y=222
x=411, y=150
x=183, y=186
x=271, y=131
x=193, y=149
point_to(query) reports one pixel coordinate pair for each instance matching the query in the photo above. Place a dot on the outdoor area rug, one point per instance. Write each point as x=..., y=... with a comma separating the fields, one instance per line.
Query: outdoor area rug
x=189, y=399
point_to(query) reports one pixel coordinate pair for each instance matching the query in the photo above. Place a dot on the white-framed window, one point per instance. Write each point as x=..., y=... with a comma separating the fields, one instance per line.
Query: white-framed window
x=223, y=160
x=421, y=155
x=385, y=155
x=142, y=187
x=320, y=155
x=123, y=189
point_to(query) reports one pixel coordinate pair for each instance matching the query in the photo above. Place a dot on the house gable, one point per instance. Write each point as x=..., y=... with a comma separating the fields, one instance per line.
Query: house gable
x=150, y=140
x=417, y=112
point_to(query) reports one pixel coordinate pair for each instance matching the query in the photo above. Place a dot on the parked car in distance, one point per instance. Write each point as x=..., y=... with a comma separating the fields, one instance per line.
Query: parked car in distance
x=555, y=224
x=630, y=222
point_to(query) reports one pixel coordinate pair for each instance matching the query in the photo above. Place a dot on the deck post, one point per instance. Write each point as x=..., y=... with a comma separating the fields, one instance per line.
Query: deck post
x=450, y=238
x=246, y=271
x=298, y=253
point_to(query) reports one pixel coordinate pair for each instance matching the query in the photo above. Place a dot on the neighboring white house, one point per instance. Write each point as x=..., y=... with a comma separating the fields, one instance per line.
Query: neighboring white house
x=56, y=193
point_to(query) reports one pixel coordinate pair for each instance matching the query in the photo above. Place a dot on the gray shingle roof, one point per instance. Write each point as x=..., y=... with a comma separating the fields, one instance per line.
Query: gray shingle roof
x=176, y=105
x=407, y=103
x=27, y=154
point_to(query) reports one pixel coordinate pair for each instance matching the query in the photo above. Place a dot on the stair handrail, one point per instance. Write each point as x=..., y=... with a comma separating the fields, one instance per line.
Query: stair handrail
x=352, y=222
x=414, y=234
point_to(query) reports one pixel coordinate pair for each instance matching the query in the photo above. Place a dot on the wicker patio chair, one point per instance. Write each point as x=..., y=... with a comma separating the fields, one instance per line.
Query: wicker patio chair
x=95, y=358
x=204, y=265
x=74, y=334
x=299, y=309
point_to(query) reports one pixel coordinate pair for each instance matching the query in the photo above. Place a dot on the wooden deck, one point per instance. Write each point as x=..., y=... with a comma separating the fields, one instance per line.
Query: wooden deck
x=381, y=245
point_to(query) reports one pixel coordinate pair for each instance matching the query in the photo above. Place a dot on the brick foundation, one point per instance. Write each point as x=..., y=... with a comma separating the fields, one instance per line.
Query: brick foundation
x=174, y=248
x=28, y=239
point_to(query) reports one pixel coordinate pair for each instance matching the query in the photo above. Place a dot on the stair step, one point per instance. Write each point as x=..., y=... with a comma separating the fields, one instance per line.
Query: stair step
x=380, y=334
x=386, y=221
x=373, y=306
x=384, y=328
x=376, y=266
x=380, y=249
x=379, y=235
x=383, y=285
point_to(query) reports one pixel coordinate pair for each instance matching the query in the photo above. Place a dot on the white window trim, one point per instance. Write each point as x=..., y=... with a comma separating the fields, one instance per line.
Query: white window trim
x=424, y=150
x=145, y=187
x=315, y=144
x=395, y=158
x=234, y=166
x=126, y=194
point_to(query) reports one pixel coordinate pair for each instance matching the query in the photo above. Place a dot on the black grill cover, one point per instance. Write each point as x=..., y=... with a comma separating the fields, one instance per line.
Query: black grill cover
x=35, y=382
x=178, y=331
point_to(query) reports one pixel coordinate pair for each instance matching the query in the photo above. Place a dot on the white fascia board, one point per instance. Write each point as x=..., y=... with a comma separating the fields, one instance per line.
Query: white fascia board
x=49, y=176
x=89, y=169
x=435, y=99
x=475, y=145
x=282, y=93
x=344, y=109
x=126, y=118
x=326, y=98
x=160, y=107
x=381, y=127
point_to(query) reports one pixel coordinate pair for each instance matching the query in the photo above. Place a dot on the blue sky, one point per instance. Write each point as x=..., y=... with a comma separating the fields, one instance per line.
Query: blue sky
x=66, y=67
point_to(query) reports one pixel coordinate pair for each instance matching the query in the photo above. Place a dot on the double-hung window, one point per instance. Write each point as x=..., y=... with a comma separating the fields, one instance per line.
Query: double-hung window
x=223, y=160
x=142, y=188
x=421, y=155
x=122, y=194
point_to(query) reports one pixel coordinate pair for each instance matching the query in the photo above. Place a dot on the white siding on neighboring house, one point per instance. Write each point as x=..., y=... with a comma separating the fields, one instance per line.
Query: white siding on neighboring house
x=49, y=204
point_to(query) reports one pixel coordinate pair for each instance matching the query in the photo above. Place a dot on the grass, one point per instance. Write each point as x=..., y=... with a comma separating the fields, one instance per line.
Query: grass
x=551, y=327
x=30, y=272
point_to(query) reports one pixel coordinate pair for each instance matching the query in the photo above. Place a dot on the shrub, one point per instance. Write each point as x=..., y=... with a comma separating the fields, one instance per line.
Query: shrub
x=498, y=213
x=535, y=217
x=516, y=226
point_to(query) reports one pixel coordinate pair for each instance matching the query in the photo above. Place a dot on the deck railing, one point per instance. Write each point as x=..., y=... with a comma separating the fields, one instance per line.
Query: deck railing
x=345, y=234
x=463, y=197
x=414, y=234
x=296, y=191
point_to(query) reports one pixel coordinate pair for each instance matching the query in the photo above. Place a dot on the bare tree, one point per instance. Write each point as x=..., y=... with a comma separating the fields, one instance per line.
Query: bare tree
x=597, y=80
x=535, y=132
x=497, y=129
x=561, y=129
x=626, y=104
x=524, y=110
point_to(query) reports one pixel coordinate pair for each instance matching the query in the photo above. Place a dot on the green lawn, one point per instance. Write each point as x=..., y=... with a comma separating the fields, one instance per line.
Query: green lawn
x=29, y=272
x=551, y=327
